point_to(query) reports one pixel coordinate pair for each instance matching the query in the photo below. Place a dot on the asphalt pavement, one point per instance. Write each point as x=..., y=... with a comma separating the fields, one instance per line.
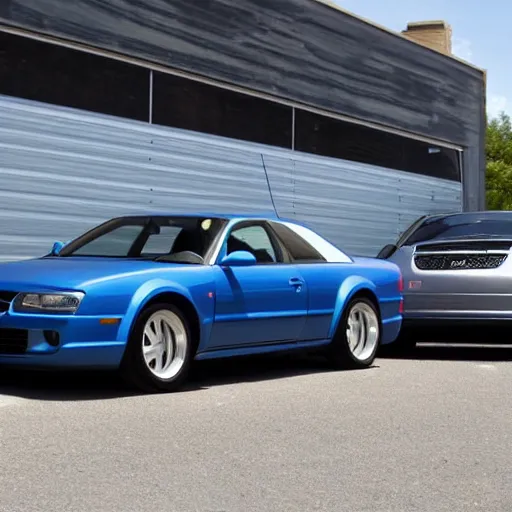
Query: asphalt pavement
x=258, y=435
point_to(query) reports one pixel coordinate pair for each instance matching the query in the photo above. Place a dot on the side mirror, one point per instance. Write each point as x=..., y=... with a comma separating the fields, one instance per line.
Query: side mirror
x=387, y=251
x=57, y=247
x=238, y=259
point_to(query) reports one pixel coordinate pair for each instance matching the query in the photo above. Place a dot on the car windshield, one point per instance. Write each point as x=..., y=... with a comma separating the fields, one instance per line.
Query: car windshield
x=165, y=238
x=462, y=226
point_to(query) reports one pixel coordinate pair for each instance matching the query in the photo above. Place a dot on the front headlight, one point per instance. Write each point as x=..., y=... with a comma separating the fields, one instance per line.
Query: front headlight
x=51, y=302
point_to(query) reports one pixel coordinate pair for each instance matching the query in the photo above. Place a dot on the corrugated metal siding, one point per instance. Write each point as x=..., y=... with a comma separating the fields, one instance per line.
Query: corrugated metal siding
x=63, y=171
x=359, y=207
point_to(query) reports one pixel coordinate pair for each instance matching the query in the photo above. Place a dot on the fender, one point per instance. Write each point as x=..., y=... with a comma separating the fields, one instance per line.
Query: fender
x=348, y=289
x=151, y=289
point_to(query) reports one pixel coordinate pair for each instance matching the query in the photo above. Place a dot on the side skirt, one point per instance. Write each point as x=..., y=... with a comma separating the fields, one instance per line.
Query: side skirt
x=260, y=349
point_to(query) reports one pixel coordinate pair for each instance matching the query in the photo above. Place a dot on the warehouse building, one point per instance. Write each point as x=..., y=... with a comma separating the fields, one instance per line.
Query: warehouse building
x=289, y=106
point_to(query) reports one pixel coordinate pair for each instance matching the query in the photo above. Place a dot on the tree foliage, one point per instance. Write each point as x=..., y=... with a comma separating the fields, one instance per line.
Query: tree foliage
x=499, y=163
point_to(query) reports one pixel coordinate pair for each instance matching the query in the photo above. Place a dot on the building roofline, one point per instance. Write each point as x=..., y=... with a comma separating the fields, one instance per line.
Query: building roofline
x=332, y=5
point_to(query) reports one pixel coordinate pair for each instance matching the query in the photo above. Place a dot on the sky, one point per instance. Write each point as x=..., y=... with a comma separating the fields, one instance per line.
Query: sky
x=480, y=34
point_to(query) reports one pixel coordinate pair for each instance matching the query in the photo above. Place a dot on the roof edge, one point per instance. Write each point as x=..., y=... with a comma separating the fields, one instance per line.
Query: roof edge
x=332, y=5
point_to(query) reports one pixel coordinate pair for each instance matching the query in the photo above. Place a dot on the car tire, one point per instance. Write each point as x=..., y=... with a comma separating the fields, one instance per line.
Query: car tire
x=159, y=351
x=355, y=346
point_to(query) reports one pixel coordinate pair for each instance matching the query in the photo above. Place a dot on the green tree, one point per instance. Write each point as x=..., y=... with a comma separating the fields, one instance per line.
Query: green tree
x=499, y=163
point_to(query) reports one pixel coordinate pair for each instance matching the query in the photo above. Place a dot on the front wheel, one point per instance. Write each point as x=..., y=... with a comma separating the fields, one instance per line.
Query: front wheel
x=357, y=339
x=158, y=353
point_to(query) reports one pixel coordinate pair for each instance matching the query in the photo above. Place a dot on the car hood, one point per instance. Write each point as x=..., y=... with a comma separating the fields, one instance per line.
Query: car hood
x=74, y=273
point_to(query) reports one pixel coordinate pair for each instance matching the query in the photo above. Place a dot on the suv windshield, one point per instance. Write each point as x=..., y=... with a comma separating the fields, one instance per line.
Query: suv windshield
x=463, y=226
x=169, y=238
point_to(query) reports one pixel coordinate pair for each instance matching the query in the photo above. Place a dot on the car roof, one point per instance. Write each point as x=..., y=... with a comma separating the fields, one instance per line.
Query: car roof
x=476, y=215
x=227, y=216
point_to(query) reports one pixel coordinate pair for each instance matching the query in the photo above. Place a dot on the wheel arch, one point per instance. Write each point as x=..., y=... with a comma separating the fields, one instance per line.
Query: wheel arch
x=355, y=286
x=184, y=305
x=166, y=293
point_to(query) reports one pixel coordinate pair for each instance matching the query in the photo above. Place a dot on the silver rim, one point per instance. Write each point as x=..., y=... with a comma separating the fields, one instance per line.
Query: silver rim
x=362, y=331
x=164, y=344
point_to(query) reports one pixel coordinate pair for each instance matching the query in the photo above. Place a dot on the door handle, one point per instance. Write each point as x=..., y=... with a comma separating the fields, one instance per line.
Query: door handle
x=295, y=281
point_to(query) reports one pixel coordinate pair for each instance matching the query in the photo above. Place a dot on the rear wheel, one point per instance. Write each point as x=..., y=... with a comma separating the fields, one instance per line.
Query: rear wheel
x=159, y=350
x=357, y=339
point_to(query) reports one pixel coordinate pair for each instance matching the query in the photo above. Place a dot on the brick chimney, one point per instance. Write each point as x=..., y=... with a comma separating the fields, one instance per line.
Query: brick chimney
x=434, y=34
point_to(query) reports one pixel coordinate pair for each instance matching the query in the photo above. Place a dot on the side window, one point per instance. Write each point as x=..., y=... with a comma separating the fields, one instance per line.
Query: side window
x=255, y=240
x=300, y=251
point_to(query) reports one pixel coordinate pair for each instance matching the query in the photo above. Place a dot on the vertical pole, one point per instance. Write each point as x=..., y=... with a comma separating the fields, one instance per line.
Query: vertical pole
x=293, y=128
x=150, y=96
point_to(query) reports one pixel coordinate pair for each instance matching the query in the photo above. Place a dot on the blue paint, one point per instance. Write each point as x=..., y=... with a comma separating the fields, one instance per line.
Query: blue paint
x=238, y=259
x=243, y=307
x=57, y=247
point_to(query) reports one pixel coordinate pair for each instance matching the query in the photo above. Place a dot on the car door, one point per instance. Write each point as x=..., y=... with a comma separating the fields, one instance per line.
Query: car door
x=263, y=303
x=324, y=278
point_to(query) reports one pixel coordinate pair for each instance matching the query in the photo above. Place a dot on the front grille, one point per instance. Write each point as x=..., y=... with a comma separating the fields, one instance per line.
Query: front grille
x=13, y=341
x=459, y=261
x=5, y=300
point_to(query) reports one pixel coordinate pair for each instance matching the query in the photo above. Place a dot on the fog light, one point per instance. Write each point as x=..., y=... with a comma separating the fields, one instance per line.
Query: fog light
x=52, y=338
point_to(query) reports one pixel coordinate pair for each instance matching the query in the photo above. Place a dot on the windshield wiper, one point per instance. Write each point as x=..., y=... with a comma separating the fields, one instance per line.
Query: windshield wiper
x=184, y=257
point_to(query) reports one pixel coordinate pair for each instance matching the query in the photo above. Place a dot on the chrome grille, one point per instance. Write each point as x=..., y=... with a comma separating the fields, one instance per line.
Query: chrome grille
x=466, y=245
x=459, y=261
x=13, y=341
x=5, y=300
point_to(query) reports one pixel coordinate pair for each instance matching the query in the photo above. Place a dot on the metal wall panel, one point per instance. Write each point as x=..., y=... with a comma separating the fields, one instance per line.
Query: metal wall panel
x=63, y=171
x=359, y=207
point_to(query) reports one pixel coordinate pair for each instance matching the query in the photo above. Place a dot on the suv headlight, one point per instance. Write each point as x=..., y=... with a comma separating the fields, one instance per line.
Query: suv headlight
x=48, y=302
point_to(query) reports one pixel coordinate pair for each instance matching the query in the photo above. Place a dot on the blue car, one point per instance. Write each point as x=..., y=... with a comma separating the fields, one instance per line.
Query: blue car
x=149, y=294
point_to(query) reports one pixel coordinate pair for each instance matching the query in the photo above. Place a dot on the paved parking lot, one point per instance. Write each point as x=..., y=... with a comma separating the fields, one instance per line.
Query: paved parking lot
x=431, y=434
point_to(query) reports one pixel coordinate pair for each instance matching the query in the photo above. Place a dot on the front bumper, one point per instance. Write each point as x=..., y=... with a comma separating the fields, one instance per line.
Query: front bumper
x=83, y=341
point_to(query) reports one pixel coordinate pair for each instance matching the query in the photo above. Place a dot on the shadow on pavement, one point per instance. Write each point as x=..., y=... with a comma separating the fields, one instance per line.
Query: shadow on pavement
x=456, y=352
x=83, y=386
x=62, y=386
x=208, y=374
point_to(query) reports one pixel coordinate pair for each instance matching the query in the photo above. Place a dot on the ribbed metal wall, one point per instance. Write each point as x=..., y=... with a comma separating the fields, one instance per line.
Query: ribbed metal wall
x=359, y=207
x=63, y=171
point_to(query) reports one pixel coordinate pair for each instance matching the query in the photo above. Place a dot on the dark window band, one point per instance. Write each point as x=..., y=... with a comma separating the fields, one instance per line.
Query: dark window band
x=192, y=105
x=53, y=74
x=325, y=136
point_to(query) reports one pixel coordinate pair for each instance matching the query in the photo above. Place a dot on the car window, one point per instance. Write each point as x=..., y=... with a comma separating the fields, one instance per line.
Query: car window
x=299, y=249
x=148, y=237
x=461, y=226
x=253, y=239
x=408, y=232
x=115, y=243
x=161, y=243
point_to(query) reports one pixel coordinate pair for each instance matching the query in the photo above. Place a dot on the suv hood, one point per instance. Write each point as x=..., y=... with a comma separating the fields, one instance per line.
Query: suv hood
x=68, y=273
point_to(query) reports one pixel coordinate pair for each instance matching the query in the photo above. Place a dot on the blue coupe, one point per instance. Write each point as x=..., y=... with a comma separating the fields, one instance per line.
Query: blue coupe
x=148, y=294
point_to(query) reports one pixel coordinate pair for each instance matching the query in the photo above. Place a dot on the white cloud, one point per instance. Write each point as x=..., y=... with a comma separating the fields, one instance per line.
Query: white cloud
x=461, y=48
x=496, y=104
